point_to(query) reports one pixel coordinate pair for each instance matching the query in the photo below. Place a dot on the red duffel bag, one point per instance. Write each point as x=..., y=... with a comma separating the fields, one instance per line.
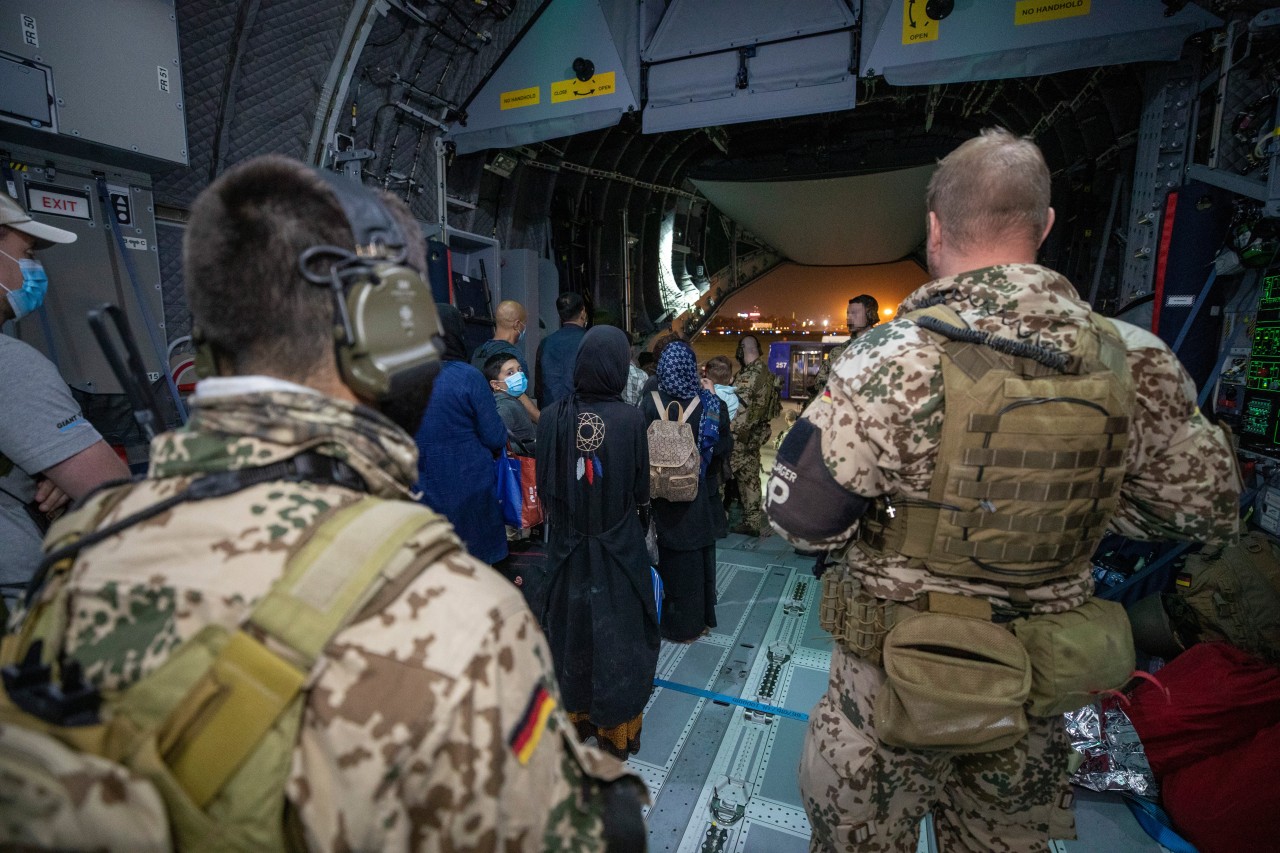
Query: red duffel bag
x=1219, y=697
x=1229, y=802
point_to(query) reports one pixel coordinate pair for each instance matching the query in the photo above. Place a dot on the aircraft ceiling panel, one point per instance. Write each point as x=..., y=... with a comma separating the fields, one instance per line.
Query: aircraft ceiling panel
x=536, y=93
x=799, y=77
x=865, y=219
x=986, y=41
x=692, y=27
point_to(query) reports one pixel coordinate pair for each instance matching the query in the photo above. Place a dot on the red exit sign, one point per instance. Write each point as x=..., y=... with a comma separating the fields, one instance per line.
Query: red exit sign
x=57, y=201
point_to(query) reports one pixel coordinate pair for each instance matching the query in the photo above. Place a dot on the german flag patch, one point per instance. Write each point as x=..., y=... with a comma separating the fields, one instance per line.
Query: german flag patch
x=1183, y=579
x=524, y=738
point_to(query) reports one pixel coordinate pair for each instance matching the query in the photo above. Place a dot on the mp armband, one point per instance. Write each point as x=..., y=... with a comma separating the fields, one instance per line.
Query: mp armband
x=802, y=497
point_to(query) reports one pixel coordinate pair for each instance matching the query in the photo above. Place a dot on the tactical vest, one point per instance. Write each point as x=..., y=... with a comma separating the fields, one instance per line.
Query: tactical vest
x=1029, y=463
x=212, y=730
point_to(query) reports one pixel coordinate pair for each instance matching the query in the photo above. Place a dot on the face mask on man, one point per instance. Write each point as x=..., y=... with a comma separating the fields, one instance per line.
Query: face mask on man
x=35, y=283
x=516, y=384
x=520, y=336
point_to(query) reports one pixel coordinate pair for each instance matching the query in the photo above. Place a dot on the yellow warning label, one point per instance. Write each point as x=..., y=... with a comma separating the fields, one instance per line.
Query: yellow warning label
x=573, y=90
x=519, y=98
x=917, y=27
x=1039, y=11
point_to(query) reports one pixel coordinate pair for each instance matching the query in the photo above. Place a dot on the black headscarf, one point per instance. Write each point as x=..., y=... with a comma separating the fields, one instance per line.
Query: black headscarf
x=454, y=332
x=600, y=371
x=599, y=374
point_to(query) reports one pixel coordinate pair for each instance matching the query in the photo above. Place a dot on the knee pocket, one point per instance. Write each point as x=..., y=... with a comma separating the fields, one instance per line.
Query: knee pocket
x=838, y=780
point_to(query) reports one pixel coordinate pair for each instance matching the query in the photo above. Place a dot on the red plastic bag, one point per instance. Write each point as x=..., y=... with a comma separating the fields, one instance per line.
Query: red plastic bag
x=1219, y=697
x=517, y=486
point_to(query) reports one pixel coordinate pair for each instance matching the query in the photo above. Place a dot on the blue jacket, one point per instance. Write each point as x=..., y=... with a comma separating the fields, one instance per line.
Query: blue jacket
x=460, y=435
x=556, y=355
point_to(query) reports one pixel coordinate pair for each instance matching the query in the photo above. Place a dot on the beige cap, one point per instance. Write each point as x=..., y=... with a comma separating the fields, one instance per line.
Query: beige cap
x=12, y=215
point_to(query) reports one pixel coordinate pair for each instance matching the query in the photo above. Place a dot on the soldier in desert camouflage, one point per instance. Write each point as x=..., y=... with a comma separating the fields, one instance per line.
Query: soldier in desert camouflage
x=432, y=721
x=862, y=313
x=758, y=399
x=862, y=460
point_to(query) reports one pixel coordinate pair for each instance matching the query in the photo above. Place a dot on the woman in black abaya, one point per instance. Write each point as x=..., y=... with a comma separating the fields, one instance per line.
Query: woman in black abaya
x=593, y=479
x=687, y=530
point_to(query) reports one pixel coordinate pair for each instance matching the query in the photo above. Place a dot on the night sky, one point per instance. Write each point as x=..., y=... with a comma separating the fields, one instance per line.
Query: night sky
x=823, y=292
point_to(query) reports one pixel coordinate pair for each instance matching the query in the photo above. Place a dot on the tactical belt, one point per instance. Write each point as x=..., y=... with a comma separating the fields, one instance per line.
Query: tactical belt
x=859, y=621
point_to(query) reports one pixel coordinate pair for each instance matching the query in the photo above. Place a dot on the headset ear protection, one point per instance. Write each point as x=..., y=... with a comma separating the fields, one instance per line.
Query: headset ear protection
x=206, y=364
x=387, y=332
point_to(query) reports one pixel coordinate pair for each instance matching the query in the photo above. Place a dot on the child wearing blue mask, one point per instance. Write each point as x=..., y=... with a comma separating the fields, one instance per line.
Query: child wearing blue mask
x=509, y=383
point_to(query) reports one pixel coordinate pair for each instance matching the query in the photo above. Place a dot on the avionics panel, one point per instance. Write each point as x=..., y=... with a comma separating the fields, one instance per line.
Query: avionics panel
x=1260, y=415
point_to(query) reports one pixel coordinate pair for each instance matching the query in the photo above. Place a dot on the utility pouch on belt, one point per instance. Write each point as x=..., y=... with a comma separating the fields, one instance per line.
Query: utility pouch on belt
x=955, y=682
x=1075, y=655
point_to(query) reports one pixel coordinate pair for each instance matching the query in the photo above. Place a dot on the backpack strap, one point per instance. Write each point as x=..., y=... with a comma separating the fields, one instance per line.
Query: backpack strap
x=684, y=414
x=214, y=712
x=657, y=402
x=347, y=561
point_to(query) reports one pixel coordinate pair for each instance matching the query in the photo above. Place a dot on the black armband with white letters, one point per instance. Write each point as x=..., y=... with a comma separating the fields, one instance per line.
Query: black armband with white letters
x=802, y=497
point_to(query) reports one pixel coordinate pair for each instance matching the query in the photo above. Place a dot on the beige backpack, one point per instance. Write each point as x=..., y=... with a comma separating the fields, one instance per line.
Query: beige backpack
x=673, y=454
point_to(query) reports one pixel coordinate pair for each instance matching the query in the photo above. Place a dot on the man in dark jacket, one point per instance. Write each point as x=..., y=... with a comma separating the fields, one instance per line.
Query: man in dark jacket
x=557, y=352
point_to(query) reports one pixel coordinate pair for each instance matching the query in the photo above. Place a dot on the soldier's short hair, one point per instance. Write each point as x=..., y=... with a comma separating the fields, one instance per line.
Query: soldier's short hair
x=240, y=257
x=993, y=186
x=720, y=370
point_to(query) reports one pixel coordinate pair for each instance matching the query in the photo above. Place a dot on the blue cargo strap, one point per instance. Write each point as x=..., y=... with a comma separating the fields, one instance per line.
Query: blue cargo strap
x=731, y=700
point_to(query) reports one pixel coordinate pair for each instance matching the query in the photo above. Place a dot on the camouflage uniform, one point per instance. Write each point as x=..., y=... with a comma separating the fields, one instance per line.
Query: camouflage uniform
x=751, y=429
x=824, y=371
x=406, y=736
x=880, y=429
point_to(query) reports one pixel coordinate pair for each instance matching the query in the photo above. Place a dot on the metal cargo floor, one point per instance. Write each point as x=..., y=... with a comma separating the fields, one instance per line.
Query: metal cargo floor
x=723, y=731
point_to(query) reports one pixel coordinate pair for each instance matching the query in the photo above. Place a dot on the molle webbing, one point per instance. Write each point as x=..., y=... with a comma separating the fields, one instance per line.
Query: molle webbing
x=1030, y=459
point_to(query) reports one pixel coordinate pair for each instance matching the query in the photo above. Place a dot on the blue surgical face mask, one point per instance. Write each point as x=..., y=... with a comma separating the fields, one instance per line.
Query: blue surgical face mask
x=35, y=283
x=517, y=384
x=520, y=337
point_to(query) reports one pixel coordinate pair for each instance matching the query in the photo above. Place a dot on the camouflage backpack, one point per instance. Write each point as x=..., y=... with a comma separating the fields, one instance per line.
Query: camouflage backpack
x=673, y=454
x=774, y=390
x=195, y=755
x=1233, y=594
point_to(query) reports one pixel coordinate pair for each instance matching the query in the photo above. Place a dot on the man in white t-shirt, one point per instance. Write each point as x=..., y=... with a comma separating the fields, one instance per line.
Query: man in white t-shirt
x=49, y=453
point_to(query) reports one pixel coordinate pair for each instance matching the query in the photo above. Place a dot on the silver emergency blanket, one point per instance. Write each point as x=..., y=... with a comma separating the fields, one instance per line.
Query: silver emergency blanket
x=1114, y=759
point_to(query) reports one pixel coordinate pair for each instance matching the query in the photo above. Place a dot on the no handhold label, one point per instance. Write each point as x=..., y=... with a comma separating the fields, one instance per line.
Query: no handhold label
x=1039, y=11
x=917, y=27
x=519, y=98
